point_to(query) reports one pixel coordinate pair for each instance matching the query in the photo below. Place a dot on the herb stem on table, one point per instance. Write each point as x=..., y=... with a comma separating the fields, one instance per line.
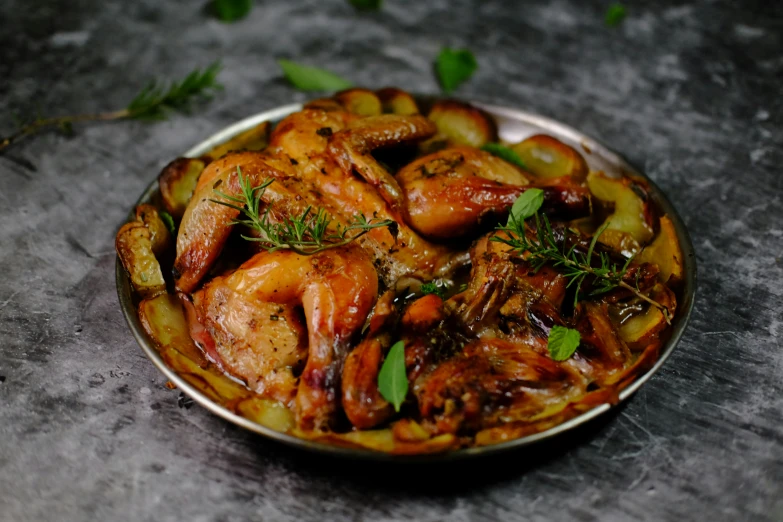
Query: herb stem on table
x=152, y=103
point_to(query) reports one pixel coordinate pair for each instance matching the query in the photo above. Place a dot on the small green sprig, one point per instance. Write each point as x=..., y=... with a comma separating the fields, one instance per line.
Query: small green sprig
x=152, y=103
x=543, y=249
x=306, y=234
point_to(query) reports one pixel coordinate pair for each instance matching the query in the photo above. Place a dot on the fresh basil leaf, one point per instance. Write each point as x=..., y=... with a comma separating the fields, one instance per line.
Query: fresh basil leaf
x=306, y=78
x=231, y=10
x=367, y=5
x=526, y=205
x=563, y=342
x=392, y=379
x=168, y=221
x=454, y=66
x=504, y=153
x=614, y=15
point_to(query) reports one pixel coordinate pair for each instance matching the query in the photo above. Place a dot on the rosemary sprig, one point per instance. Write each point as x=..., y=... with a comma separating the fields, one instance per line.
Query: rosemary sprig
x=306, y=234
x=543, y=249
x=152, y=103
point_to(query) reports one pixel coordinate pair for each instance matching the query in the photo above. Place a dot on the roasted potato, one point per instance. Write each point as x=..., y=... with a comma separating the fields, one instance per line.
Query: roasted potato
x=640, y=330
x=324, y=104
x=160, y=237
x=361, y=102
x=665, y=252
x=547, y=157
x=463, y=124
x=177, y=182
x=134, y=246
x=397, y=101
x=256, y=138
x=163, y=319
x=631, y=212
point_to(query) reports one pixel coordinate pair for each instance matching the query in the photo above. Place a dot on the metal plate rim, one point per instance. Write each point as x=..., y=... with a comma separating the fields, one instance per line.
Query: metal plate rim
x=562, y=130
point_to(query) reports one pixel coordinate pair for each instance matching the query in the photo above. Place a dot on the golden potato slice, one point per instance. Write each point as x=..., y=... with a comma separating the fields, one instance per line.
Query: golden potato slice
x=463, y=124
x=160, y=237
x=361, y=102
x=164, y=320
x=256, y=138
x=134, y=246
x=665, y=252
x=397, y=101
x=630, y=211
x=547, y=157
x=640, y=330
x=177, y=181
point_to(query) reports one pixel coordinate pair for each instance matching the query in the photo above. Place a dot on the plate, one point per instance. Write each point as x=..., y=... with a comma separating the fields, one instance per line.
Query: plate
x=513, y=126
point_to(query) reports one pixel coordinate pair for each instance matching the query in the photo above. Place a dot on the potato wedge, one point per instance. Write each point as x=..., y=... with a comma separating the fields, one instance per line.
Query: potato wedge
x=630, y=210
x=547, y=157
x=177, y=181
x=163, y=319
x=665, y=252
x=463, y=124
x=361, y=102
x=134, y=246
x=397, y=101
x=160, y=237
x=640, y=330
x=256, y=138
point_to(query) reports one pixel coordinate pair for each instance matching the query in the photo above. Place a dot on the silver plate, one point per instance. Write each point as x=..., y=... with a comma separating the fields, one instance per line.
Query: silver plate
x=513, y=126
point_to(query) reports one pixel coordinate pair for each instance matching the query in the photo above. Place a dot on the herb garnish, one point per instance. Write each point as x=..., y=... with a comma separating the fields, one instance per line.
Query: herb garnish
x=434, y=287
x=454, y=66
x=306, y=78
x=543, y=249
x=562, y=342
x=504, y=153
x=231, y=10
x=152, y=103
x=526, y=205
x=306, y=234
x=392, y=379
x=614, y=15
x=168, y=221
x=368, y=5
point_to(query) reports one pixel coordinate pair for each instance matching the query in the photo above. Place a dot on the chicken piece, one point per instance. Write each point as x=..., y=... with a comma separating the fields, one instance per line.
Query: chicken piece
x=206, y=226
x=336, y=288
x=263, y=343
x=493, y=382
x=452, y=192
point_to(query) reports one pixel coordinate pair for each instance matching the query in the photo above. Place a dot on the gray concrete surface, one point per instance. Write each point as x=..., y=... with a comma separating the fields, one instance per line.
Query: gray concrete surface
x=688, y=91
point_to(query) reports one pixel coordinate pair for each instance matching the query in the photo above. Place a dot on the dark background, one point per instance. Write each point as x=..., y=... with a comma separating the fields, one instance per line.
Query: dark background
x=690, y=92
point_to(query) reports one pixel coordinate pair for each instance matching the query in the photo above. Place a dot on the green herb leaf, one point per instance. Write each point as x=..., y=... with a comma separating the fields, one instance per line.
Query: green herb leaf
x=504, y=153
x=614, y=15
x=434, y=287
x=454, y=66
x=563, y=342
x=168, y=221
x=307, y=78
x=367, y=5
x=392, y=379
x=153, y=101
x=231, y=10
x=526, y=205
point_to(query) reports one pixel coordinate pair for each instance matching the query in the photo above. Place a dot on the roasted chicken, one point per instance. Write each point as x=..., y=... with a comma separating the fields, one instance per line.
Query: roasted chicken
x=444, y=274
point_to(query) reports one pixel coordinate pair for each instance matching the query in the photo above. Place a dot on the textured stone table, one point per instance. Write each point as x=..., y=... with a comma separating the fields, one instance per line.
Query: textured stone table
x=690, y=92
